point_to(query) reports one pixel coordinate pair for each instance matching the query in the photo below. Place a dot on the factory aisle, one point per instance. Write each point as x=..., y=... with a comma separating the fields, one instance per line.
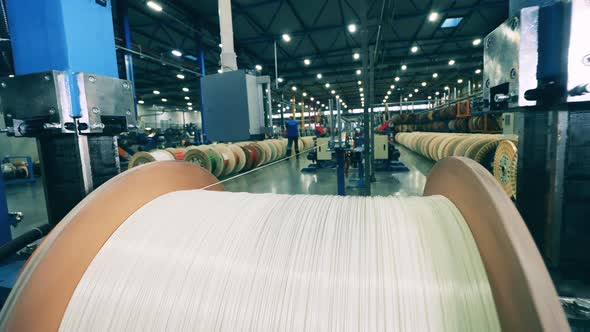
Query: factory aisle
x=286, y=178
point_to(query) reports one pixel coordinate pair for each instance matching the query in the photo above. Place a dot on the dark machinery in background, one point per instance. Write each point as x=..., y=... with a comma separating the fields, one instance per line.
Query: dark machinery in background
x=537, y=66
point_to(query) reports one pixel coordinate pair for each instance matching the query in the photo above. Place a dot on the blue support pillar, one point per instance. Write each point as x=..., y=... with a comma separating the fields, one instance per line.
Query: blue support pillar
x=122, y=9
x=203, y=73
x=340, y=170
x=5, y=234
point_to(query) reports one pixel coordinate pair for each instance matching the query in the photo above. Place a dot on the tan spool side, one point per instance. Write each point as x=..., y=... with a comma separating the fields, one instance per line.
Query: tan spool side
x=270, y=148
x=140, y=158
x=198, y=157
x=240, y=157
x=48, y=280
x=485, y=155
x=524, y=294
x=505, y=162
x=229, y=161
x=465, y=144
x=472, y=151
x=280, y=149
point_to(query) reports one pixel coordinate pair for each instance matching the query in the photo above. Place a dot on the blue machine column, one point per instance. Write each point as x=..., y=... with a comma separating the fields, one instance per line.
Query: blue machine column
x=122, y=13
x=66, y=48
x=203, y=73
x=5, y=234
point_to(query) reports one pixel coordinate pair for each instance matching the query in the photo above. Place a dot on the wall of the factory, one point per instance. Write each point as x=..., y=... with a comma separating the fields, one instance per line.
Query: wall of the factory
x=159, y=117
x=21, y=146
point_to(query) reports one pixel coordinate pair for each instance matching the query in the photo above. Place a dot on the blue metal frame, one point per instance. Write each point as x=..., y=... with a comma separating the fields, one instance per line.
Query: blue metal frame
x=5, y=220
x=203, y=74
x=340, y=170
x=65, y=35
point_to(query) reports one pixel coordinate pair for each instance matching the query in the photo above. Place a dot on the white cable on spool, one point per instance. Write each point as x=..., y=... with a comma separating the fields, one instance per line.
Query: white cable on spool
x=242, y=263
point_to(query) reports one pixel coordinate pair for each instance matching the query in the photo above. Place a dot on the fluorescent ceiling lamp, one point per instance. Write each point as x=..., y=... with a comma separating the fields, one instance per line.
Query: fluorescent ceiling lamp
x=327, y=85
x=392, y=87
x=319, y=76
x=185, y=89
x=141, y=102
x=423, y=83
x=286, y=37
x=404, y=67
x=154, y=5
x=258, y=67
x=435, y=75
x=294, y=88
x=414, y=49
x=176, y=53
x=478, y=71
x=356, y=56
x=280, y=80
x=307, y=62
x=156, y=92
x=451, y=62
x=180, y=76
x=352, y=28
x=164, y=99
x=397, y=79
x=476, y=42
x=433, y=16
x=187, y=98
x=358, y=71
x=451, y=22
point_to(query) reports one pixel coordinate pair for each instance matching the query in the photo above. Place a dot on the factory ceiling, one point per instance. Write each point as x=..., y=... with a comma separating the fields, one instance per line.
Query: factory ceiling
x=426, y=36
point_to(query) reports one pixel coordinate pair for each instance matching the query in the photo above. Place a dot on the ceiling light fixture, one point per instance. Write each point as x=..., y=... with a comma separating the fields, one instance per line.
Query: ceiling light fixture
x=352, y=28
x=185, y=89
x=423, y=83
x=414, y=49
x=459, y=81
x=404, y=67
x=154, y=5
x=356, y=56
x=435, y=75
x=187, y=98
x=280, y=80
x=358, y=71
x=294, y=88
x=176, y=53
x=478, y=71
x=433, y=16
x=286, y=37
x=476, y=42
x=396, y=79
x=156, y=92
x=327, y=85
x=451, y=62
x=307, y=62
x=319, y=76
x=141, y=102
x=180, y=76
x=164, y=99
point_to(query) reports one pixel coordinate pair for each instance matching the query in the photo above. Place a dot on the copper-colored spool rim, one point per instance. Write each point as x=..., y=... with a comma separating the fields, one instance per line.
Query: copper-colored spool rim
x=524, y=294
x=201, y=156
x=48, y=280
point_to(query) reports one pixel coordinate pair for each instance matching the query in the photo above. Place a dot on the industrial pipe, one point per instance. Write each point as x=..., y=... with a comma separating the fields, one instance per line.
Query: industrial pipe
x=13, y=246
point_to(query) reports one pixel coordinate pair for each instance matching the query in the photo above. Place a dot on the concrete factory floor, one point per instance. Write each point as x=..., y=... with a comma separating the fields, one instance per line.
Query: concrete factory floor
x=286, y=178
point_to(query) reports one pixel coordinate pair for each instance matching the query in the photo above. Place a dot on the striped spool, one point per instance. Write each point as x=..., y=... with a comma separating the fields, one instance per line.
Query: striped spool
x=259, y=154
x=143, y=157
x=217, y=161
x=229, y=161
x=177, y=152
x=198, y=157
x=250, y=156
x=240, y=157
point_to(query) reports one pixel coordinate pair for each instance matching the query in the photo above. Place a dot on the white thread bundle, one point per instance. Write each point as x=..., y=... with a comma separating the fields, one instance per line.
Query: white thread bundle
x=203, y=261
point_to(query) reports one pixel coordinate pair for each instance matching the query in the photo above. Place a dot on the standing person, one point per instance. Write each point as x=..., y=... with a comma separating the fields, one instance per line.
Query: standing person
x=292, y=136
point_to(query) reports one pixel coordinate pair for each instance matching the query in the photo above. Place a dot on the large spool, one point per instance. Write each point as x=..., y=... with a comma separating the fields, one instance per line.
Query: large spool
x=199, y=158
x=58, y=273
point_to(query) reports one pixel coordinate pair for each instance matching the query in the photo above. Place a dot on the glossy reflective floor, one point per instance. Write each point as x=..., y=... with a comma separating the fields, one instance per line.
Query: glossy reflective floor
x=286, y=178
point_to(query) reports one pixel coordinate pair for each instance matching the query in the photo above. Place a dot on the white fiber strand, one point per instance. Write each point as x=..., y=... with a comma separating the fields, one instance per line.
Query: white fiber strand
x=219, y=261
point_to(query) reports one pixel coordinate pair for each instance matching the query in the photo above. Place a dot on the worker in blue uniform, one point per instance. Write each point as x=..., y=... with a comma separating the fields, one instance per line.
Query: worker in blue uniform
x=292, y=136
